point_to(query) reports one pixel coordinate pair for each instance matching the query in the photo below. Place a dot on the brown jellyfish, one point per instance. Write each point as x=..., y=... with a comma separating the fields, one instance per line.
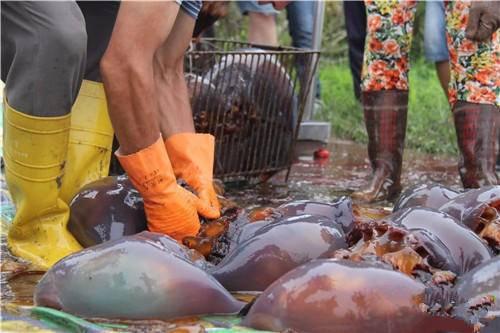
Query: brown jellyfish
x=479, y=288
x=425, y=195
x=106, y=209
x=340, y=210
x=420, y=239
x=277, y=248
x=345, y=296
x=441, y=239
x=258, y=98
x=478, y=210
x=248, y=231
x=146, y=276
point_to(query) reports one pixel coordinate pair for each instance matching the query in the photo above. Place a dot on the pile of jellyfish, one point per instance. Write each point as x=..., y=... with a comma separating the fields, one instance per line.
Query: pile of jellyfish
x=430, y=265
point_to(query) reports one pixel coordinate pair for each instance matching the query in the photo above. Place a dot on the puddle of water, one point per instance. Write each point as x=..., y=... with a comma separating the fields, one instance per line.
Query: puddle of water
x=345, y=171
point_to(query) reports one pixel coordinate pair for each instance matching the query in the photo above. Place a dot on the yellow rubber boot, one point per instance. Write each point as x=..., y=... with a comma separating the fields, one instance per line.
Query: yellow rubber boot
x=34, y=155
x=90, y=140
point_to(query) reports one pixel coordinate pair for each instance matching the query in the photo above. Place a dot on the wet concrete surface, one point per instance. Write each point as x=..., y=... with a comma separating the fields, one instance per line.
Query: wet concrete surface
x=324, y=180
x=345, y=171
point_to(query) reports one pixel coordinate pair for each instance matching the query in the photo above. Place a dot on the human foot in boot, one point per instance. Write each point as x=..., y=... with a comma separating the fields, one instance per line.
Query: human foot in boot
x=385, y=119
x=476, y=129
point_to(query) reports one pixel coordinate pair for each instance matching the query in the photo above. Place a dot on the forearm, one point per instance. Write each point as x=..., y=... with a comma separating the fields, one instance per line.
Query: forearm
x=174, y=106
x=133, y=107
x=127, y=70
x=175, y=109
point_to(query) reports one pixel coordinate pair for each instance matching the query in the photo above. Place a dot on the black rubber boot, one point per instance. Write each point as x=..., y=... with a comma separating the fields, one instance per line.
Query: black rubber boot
x=385, y=118
x=477, y=141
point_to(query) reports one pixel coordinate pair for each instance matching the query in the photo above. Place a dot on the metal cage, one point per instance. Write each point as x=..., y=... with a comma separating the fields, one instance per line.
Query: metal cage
x=251, y=98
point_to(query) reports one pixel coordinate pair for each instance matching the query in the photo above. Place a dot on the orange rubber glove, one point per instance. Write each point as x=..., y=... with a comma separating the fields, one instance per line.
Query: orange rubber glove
x=169, y=208
x=192, y=157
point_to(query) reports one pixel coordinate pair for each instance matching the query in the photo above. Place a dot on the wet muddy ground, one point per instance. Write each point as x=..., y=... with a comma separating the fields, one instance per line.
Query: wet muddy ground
x=343, y=172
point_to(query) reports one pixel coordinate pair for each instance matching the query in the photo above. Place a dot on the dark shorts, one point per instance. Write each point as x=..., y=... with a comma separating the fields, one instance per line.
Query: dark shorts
x=254, y=7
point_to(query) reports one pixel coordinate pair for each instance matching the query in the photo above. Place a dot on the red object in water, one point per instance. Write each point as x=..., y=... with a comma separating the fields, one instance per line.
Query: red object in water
x=321, y=153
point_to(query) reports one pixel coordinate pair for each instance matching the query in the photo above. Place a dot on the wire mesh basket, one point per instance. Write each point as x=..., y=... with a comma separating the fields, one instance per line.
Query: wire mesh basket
x=251, y=98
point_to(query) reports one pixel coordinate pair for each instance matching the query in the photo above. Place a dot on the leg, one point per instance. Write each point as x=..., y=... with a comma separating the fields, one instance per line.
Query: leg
x=262, y=22
x=443, y=73
x=474, y=94
x=47, y=50
x=43, y=60
x=262, y=29
x=385, y=94
x=436, y=49
x=300, y=15
x=355, y=18
x=91, y=134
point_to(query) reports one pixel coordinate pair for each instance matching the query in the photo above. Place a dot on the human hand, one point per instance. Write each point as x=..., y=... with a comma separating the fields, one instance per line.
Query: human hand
x=170, y=209
x=210, y=12
x=192, y=156
x=484, y=20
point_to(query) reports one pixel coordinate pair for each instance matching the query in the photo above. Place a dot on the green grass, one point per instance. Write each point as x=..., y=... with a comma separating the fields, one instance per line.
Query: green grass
x=430, y=126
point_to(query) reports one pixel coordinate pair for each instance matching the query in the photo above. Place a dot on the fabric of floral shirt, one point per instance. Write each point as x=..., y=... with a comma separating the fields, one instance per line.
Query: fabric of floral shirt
x=475, y=67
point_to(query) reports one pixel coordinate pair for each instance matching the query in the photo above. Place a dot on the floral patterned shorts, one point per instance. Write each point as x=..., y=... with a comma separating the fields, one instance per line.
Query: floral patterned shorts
x=475, y=67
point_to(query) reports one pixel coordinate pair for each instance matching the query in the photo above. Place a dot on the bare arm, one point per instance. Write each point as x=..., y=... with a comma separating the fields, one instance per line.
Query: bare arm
x=127, y=69
x=175, y=109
